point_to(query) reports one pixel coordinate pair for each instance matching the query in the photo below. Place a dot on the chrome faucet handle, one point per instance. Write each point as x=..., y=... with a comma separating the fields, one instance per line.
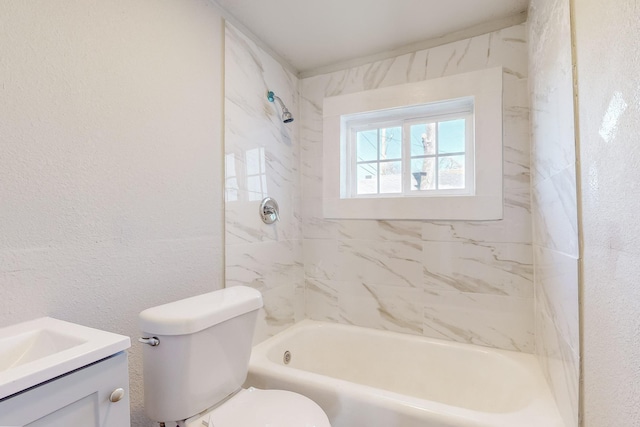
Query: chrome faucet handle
x=269, y=211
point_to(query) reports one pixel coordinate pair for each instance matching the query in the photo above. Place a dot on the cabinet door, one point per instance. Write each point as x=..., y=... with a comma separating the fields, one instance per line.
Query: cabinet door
x=80, y=398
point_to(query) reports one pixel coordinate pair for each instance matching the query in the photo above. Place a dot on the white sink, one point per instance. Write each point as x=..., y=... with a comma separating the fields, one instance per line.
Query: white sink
x=42, y=349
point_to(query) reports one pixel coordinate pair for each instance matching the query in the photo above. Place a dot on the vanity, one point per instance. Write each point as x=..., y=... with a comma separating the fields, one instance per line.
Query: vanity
x=58, y=374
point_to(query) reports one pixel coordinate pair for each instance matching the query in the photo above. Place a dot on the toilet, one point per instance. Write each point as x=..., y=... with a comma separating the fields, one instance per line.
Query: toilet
x=196, y=359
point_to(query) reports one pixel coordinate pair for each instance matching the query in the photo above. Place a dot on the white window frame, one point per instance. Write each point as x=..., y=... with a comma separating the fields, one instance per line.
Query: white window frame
x=486, y=200
x=405, y=118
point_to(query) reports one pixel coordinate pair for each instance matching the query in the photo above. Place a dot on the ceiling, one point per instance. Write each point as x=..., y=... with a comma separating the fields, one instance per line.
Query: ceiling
x=311, y=34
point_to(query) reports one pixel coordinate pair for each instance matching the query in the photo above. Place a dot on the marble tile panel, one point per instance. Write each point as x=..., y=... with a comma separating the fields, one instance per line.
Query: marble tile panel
x=314, y=226
x=299, y=301
x=321, y=258
x=278, y=312
x=261, y=148
x=516, y=172
x=381, y=262
x=508, y=49
x=491, y=320
x=252, y=65
x=502, y=48
x=248, y=183
x=381, y=307
x=556, y=277
x=516, y=130
x=551, y=86
x=555, y=223
x=458, y=57
x=380, y=230
x=553, y=140
x=561, y=365
x=262, y=159
x=321, y=300
x=311, y=170
x=264, y=265
x=484, y=268
x=515, y=227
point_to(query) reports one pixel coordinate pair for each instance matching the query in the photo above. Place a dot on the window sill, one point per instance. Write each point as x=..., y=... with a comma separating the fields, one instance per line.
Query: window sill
x=470, y=208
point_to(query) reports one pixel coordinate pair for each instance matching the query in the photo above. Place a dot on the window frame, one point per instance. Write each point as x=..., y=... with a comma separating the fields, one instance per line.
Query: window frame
x=484, y=86
x=450, y=110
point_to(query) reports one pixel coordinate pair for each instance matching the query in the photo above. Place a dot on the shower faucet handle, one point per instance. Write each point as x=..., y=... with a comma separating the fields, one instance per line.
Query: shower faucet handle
x=269, y=210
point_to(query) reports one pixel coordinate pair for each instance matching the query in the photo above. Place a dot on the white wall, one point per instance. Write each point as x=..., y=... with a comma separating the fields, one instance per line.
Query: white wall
x=554, y=201
x=608, y=64
x=458, y=280
x=110, y=161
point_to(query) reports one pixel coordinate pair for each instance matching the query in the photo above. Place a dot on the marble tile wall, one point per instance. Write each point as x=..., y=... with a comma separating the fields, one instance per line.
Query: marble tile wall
x=463, y=281
x=554, y=201
x=261, y=159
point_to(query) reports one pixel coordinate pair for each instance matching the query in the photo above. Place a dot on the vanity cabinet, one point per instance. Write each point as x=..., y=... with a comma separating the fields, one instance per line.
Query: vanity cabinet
x=96, y=395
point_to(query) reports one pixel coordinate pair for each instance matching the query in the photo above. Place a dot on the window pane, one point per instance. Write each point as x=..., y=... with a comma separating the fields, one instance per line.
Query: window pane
x=451, y=172
x=391, y=143
x=423, y=174
x=367, y=145
x=423, y=139
x=391, y=177
x=451, y=135
x=367, y=176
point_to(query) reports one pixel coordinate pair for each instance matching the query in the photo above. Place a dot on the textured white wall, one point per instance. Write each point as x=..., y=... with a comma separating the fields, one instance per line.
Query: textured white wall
x=110, y=161
x=608, y=60
x=554, y=201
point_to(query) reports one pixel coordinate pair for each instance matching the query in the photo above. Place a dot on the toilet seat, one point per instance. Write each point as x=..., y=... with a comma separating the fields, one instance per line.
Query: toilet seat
x=263, y=408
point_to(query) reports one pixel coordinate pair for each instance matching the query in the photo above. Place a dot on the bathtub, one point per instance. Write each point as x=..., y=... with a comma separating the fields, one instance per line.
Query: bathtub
x=365, y=377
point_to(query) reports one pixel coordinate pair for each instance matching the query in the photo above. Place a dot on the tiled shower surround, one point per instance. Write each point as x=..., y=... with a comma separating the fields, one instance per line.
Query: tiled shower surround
x=463, y=281
x=554, y=206
x=261, y=159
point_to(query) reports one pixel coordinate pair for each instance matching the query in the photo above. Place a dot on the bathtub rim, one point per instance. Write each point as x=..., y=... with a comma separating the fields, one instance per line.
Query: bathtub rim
x=541, y=408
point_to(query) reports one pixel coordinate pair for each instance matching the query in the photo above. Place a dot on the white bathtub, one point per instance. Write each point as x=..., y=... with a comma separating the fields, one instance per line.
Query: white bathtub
x=364, y=377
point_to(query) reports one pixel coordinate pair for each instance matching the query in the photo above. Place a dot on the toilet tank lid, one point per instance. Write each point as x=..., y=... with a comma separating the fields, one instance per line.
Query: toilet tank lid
x=196, y=313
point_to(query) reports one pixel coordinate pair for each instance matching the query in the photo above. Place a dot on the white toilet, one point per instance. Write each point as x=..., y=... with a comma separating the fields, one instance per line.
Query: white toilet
x=196, y=360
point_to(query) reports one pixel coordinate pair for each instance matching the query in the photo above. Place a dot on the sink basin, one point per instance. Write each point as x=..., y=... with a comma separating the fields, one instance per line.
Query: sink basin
x=30, y=346
x=42, y=349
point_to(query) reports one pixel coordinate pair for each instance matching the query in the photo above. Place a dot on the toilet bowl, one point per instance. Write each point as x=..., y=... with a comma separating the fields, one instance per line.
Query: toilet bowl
x=263, y=408
x=196, y=359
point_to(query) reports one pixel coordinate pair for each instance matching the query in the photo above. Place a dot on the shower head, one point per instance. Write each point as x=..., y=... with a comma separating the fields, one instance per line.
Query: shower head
x=286, y=115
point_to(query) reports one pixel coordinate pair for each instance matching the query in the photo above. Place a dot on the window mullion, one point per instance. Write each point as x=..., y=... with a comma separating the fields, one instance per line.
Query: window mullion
x=353, y=166
x=406, y=158
x=436, y=163
x=378, y=163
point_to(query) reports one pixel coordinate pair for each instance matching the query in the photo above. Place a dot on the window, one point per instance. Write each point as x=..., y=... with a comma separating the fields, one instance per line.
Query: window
x=426, y=150
x=421, y=151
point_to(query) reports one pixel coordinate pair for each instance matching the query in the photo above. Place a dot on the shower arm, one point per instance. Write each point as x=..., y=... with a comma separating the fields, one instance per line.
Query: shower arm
x=277, y=98
x=286, y=115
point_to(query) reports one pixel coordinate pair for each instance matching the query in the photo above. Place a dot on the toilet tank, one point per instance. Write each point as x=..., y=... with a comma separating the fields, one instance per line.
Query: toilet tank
x=204, y=351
